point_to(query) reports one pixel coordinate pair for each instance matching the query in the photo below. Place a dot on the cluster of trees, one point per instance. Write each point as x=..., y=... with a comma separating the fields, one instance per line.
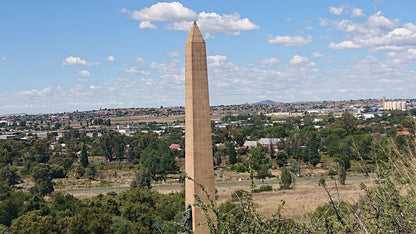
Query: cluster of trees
x=38, y=159
x=343, y=139
x=143, y=210
x=133, y=211
x=389, y=205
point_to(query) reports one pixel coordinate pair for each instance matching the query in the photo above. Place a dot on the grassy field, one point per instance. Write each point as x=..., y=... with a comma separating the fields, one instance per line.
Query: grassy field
x=305, y=196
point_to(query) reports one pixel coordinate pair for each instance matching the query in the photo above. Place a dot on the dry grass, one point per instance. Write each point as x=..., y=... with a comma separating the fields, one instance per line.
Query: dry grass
x=304, y=198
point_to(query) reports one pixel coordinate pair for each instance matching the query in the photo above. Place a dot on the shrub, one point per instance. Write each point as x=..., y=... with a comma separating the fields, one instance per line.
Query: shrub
x=238, y=168
x=263, y=188
x=135, y=161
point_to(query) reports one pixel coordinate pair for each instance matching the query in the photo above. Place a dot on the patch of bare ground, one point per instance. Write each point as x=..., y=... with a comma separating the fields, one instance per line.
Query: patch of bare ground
x=306, y=197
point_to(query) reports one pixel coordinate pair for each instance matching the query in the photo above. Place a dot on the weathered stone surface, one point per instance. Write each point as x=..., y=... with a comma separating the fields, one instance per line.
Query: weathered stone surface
x=198, y=142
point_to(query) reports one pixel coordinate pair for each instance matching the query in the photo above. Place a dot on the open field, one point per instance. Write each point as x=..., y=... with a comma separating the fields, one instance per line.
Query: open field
x=305, y=196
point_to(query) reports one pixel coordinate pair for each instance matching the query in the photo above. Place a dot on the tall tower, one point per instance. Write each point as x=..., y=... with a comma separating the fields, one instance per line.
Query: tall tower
x=198, y=142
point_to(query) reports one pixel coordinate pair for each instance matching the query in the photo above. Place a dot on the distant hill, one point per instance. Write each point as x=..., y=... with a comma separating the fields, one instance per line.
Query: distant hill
x=266, y=102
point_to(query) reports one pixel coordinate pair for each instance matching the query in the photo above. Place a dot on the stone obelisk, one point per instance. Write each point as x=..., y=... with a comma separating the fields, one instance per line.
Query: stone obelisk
x=198, y=142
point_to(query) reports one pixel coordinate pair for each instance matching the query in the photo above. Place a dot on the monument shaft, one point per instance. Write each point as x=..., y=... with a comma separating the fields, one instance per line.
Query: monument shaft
x=198, y=142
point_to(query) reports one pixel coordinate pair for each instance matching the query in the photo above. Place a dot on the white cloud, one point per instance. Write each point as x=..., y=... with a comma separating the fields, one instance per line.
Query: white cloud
x=84, y=73
x=140, y=60
x=343, y=45
x=3, y=58
x=136, y=71
x=71, y=60
x=323, y=22
x=290, y=40
x=402, y=58
x=356, y=12
x=215, y=23
x=147, y=24
x=163, y=11
x=269, y=61
x=378, y=33
x=216, y=60
x=336, y=10
x=181, y=18
x=317, y=55
x=174, y=54
x=381, y=22
x=111, y=59
x=168, y=69
x=298, y=60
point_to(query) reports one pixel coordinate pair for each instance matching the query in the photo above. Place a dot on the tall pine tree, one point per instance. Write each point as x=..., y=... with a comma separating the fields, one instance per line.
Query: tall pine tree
x=232, y=154
x=84, y=155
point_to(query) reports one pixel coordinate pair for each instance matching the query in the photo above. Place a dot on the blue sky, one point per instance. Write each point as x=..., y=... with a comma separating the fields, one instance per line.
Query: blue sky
x=58, y=56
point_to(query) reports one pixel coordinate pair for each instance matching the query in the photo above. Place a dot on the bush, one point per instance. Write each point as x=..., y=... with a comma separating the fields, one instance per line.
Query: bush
x=238, y=168
x=135, y=161
x=263, y=188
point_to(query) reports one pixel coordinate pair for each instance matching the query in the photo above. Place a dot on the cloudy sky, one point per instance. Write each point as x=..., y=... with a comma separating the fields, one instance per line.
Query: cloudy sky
x=58, y=56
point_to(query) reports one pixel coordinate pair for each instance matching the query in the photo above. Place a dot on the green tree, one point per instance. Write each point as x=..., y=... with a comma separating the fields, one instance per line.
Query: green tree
x=112, y=144
x=142, y=179
x=12, y=203
x=91, y=172
x=158, y=158
x=232, y=154
x=9, y=176
x=120, y=225
x=347, y=121
x=34, y=222
x=217, y=158
x=39, y=152
x=43, y=180
x=285, y=178
x=239, y=136
x=259, y=162
x=342, y=175
x=281, y=158
x=89, y=220
x=313, y=154
x=344, y=163
x=84, y=155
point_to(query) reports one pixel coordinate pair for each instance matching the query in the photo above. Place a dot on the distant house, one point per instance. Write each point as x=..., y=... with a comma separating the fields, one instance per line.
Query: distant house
x=269, y=143
x=266, y=142
x=316, y=120
x=7, y=137
x=42, y=135
x=250, y=144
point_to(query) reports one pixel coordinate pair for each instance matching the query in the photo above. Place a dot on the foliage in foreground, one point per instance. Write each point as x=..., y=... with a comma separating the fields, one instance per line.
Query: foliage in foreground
x=134, y=211
x=387, y=206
